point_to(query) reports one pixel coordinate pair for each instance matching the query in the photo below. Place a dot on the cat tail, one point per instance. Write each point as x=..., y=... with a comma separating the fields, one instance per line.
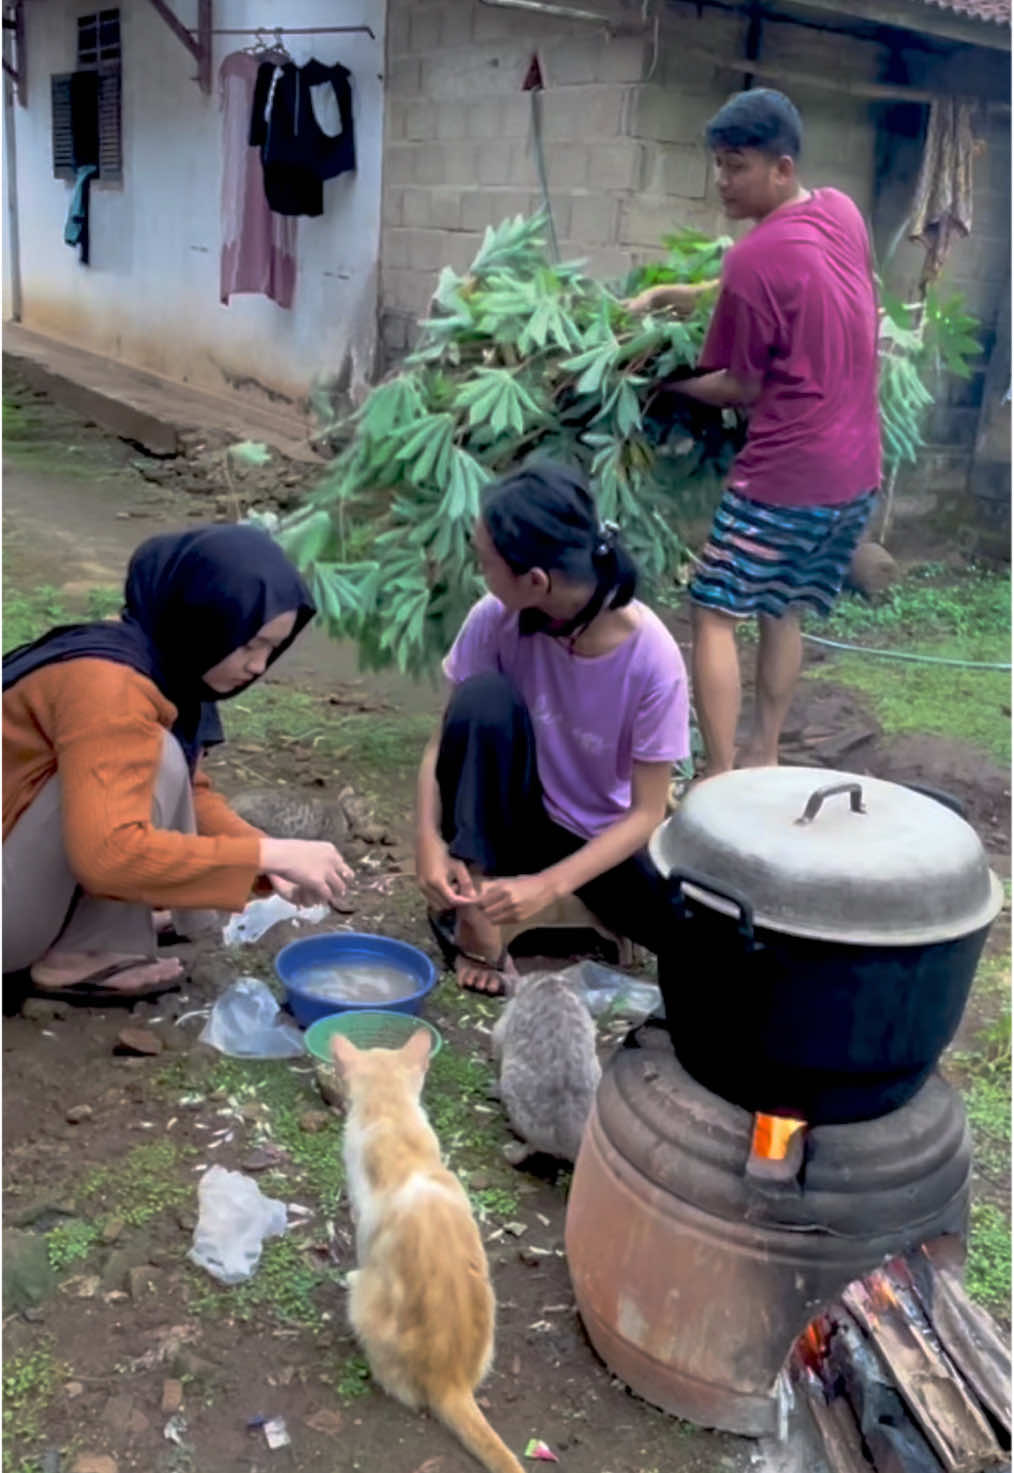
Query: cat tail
x=458, y=1411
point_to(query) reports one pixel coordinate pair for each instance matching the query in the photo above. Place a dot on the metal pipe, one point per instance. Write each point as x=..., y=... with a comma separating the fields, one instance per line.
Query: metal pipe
x=539, y=7
x=292, y=31
x=12, y=243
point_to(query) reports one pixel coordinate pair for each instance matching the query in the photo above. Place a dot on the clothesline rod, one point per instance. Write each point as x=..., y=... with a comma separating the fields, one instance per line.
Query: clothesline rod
x=293, y=31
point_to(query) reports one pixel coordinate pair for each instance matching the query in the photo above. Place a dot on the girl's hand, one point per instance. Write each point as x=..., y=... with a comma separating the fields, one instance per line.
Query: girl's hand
x=309, y=866
x=505, y=902
x=444, y=881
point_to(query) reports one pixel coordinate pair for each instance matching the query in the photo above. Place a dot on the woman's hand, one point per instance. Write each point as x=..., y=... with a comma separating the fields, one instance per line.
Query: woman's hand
x=444, y=881
x=306, y=867
x=505, y=902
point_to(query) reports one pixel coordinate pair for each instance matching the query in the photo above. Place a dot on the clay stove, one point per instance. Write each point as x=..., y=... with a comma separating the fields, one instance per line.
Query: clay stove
x=694, y=1277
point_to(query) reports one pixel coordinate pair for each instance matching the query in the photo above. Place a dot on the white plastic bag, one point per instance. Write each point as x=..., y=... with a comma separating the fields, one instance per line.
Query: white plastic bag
x=245, y=1024
x=260, y=915
x=605, y=990
x=234, y=1218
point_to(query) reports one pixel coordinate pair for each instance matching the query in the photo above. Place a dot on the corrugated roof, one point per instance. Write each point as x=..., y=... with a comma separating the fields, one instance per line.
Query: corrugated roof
x=990, y=10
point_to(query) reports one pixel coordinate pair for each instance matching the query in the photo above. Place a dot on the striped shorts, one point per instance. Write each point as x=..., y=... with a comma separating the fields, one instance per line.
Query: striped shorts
x=763, y=559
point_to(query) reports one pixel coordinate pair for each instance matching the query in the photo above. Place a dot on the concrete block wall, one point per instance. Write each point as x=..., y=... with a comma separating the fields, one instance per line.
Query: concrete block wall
x=622, y=126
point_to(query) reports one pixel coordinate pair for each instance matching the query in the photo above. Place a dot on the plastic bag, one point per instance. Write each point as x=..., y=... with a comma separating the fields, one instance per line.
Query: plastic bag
x=260, y=915
x=245, y=1024
x=607, y=991
x=234, y=1218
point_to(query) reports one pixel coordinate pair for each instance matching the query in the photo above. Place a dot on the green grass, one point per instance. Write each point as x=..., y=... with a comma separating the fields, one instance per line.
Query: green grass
x=27, y=615
x=930, y=612
x=353, y=1378
x=273, y=715
x=145, y=1184
x=988, y=1270
x=284, y=1288
x=70, y=1242
x=30, y=1382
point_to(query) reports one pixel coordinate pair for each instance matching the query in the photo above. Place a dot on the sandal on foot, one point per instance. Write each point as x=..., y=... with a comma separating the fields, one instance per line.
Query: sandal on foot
x=89, y=991
x=501, y=968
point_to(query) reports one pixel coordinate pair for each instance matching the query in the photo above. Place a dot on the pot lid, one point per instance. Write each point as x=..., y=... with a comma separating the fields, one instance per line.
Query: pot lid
x=831, y=856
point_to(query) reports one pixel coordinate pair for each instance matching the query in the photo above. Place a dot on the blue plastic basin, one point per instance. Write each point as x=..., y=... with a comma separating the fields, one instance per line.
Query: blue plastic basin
x=296, y=959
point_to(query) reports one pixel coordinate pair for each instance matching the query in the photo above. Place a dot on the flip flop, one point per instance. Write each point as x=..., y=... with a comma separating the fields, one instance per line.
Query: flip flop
x=442, y=926
x=89, y=991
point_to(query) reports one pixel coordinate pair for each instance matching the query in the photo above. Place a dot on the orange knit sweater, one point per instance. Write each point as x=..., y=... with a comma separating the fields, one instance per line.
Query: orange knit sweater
x=102, y=725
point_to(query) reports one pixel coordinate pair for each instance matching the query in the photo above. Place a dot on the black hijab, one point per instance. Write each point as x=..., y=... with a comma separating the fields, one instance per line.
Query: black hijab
x=191, y=599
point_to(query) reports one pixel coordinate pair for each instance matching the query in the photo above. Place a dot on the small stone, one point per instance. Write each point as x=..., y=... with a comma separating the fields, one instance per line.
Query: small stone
x=138, y=1041
x=73, y=1390
x=41, y=1208
x=123, y=1418
x=172, y=1397
x=88, y=1287
x=78, y=1113
x=515, y=1228
x=34, y=1315
x=95, y=1463
x=112, y=1230
x=44, y=1010
x=186, y=1221
x=326, y=1421
x=28, y=1277
x=314, y=1121
x=142, y=1282
x=528, y=1258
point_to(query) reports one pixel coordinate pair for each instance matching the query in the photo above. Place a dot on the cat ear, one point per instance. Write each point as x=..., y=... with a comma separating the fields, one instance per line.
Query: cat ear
x=417, y=1049
x=343, y=1051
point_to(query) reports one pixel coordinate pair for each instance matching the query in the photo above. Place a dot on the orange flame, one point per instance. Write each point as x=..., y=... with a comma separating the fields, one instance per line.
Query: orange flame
x=878, y=1287
x=812, y=1345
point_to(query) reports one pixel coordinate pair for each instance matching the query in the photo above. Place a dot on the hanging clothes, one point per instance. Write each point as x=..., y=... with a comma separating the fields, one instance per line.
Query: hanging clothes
x=942, y=210
x=75, y=231
x=302, y=123
x=258, y=246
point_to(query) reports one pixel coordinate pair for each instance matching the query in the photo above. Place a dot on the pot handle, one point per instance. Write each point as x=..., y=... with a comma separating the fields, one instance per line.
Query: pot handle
x=816, y=799
x=735, y=898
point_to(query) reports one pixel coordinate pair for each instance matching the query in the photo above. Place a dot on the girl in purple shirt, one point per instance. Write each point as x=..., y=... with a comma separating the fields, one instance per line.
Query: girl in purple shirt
x=568, y=706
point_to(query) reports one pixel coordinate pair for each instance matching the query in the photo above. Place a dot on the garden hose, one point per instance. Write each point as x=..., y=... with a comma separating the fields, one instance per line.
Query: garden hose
x=861, y=649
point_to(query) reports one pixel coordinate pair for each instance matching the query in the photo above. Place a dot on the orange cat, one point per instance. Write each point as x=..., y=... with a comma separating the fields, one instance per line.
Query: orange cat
x=420, y=1301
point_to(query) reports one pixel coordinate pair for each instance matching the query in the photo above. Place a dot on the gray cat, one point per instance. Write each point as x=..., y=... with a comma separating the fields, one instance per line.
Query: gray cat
x=549, y=1072
x=291, y=813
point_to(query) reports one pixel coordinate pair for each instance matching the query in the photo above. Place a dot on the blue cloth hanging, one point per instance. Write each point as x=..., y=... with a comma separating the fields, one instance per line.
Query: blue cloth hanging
x=75, y=232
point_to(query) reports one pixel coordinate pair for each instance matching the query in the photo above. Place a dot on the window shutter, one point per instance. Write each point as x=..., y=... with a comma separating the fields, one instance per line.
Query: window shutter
x=63, y=140
x=110, y=141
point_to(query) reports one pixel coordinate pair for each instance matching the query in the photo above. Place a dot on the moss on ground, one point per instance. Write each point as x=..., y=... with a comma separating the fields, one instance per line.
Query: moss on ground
x=146, y=1183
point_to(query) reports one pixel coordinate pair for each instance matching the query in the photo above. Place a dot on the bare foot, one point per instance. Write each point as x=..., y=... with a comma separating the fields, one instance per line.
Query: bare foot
x=480, y=937
x=60, y=970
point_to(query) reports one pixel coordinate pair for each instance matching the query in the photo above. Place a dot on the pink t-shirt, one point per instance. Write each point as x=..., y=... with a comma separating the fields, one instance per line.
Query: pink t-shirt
x=797, y=314
x=594, y=717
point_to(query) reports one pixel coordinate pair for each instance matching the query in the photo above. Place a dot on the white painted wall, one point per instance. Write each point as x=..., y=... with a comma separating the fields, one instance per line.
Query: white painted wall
x=150, y=295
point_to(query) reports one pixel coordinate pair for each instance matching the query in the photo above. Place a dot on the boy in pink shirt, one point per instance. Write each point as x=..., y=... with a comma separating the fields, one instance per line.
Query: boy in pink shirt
x=793, y=338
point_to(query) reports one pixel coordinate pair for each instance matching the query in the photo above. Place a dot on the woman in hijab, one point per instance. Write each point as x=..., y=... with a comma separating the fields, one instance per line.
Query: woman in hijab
x=107, y=813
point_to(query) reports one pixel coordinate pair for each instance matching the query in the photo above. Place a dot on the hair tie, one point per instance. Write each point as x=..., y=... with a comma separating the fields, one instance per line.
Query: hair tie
x=607, y=534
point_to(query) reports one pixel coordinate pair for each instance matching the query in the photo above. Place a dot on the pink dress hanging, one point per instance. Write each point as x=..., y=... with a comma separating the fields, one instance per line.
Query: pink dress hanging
x=258, y=246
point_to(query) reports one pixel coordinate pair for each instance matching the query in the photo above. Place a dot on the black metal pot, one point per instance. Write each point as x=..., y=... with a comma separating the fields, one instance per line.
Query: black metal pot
x=769, y=1002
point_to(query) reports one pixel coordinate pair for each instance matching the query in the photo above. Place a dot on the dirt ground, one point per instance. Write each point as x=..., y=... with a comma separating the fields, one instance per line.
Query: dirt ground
x=125, y=1316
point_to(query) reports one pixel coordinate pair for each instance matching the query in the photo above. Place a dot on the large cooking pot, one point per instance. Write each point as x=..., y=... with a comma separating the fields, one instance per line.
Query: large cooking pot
x=826, y=931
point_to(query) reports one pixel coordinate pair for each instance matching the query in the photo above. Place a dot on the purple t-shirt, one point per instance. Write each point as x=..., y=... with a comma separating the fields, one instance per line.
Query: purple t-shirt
x=797, y=315
x=594, y=717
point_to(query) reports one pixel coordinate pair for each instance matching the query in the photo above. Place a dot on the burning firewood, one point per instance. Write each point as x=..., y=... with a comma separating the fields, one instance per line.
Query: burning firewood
x=933, y=1391
x=966, y=1332
x=833, y=1419
x=891, y=1437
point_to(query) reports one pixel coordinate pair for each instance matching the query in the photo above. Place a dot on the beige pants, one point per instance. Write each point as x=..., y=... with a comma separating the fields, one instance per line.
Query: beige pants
x=43, y=902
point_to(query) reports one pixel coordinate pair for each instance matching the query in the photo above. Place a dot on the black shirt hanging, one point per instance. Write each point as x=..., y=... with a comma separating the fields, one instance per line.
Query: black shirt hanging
x=296, y=152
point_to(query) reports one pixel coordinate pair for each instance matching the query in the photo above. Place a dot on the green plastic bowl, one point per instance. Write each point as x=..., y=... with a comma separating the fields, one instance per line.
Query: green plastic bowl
x=366, y=1029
